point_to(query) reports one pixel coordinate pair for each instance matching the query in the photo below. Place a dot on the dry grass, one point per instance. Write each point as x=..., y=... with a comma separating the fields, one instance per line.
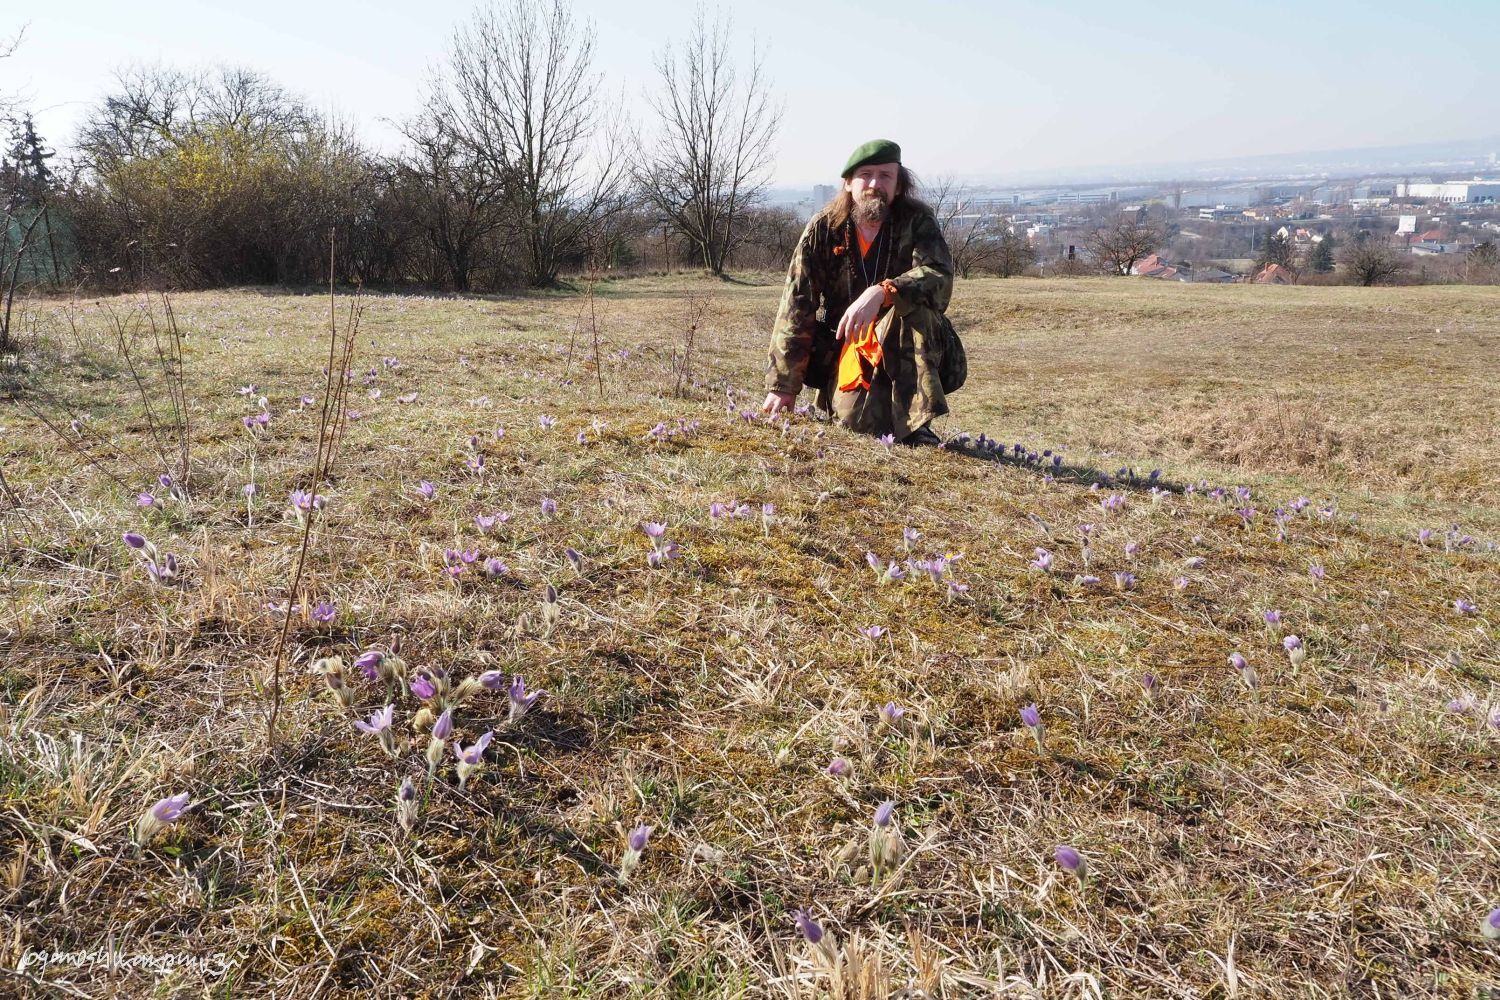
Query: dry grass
x=1329, y=834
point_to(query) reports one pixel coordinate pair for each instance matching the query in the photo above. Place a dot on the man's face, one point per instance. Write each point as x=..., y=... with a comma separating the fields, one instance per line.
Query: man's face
x=872, y=187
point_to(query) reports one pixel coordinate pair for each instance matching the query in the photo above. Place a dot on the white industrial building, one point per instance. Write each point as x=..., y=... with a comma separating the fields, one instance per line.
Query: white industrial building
x=1477, y=191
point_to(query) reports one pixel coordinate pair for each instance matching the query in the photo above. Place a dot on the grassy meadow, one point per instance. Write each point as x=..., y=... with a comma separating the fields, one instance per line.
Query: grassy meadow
x=1317, y=819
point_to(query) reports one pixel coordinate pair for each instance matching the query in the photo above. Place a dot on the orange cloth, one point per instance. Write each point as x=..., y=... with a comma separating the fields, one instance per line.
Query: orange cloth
x=864, y=346
x=859, y=349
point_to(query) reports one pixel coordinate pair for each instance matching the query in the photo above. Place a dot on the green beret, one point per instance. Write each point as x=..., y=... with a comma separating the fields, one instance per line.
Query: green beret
x=874, y=151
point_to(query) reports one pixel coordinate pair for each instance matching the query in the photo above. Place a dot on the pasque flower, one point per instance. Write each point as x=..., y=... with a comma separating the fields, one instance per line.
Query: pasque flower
x=1031, y=718
x=520, y=699
x=635, y=845
x=161, y=815
x=379, y=725
x=472, y=758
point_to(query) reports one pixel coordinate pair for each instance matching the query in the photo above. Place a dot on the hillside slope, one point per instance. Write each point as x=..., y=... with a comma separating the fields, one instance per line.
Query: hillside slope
x=1315, y=822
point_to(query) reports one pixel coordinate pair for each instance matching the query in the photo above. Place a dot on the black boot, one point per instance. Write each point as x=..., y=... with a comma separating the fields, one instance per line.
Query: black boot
x=922, y=437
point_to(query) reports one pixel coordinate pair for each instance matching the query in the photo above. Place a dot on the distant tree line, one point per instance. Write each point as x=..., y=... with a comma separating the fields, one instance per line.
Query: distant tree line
x=516, y=169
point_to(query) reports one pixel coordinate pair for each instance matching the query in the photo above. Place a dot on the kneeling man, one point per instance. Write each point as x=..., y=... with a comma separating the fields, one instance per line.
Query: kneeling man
x=863, y=318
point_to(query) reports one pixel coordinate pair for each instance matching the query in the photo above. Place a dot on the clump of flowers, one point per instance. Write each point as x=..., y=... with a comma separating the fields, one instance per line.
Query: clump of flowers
x=1295, y=651
x=304, y=504
x=661, y=549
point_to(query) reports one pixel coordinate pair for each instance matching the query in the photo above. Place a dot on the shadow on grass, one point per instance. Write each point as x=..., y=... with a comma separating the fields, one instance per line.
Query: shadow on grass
x=1048, y=463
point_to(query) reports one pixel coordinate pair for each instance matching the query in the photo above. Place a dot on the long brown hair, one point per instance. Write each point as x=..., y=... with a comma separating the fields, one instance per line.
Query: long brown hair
x=842, y=206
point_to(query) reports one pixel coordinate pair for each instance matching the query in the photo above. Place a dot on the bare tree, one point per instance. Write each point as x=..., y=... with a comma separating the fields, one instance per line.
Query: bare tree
x=156, y=108
x=1119, y=247
x=1368, y=261
x=522, y=96
x=1013, y=254
x=710, y=160
x=969, y=235
x=9, y=102
x=461, y=200
x=1482, y=263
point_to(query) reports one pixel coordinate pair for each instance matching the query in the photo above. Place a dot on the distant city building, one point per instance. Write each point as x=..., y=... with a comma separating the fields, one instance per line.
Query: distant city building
x=823, y=194
x=1479, y=191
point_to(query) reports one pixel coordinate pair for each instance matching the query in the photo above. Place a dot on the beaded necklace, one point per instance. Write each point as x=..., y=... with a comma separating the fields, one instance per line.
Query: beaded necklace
x=881, y=245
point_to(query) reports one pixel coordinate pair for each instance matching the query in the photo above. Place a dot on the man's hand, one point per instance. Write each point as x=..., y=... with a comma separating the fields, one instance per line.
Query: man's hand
x=861, y=312
x=777, y=401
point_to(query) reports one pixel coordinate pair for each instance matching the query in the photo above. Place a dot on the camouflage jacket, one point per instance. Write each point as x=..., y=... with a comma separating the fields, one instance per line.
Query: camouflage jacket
x=825, y=276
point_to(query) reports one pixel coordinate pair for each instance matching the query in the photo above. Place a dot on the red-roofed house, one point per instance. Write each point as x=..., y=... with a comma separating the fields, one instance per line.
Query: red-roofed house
x=1274, y=274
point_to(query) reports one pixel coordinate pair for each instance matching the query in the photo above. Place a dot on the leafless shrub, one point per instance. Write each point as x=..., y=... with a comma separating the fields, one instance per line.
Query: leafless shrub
x=710, y=160
x=1119, y=247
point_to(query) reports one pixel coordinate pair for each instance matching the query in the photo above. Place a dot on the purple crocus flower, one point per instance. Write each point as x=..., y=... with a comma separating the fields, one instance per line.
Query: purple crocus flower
x=324, y=612
x=889, y=440
x=1465, y=607
x=549, y=506
x=368, y=663
x=1182, y=583
x=1490, y=928
x=1125, y=580
x=654, y=529
x=638, y=838
x=422, y=687
x=473, y=755
x=520, y=699
x=575, y=559
x=546, y=422
x=891, y=713
x=1069, y=860
x=134, y=539
x=144, y=500
x=1316, y=571
x=1291, y=643
x=873, y=632
x=494, y=568
x=814, y=934
x=1149, y=683
x=884, y=812
x=426, y=490
x=838, y=767
x=1031, y=716
x=873, y=561
x=1237, y=661
x=378, y=722
x=170, y=810
x=1043, y=561
x=1272, y=618
x=443, y=727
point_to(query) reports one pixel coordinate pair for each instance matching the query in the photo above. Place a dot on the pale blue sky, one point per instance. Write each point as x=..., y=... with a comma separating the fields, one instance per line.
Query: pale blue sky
x=966, y=88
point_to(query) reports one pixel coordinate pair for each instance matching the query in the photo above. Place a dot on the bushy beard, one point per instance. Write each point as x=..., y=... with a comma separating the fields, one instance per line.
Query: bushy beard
x=871, y=208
